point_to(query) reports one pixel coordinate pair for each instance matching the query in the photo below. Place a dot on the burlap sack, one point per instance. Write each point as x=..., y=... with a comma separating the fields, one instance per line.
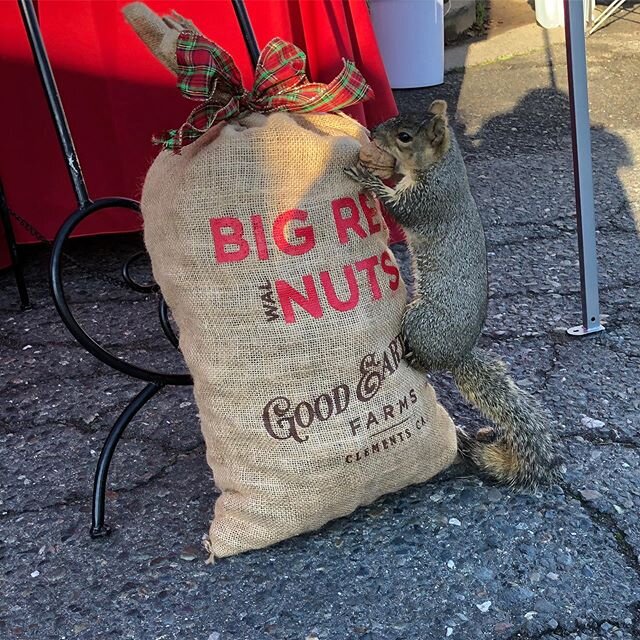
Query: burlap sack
x=289, y=306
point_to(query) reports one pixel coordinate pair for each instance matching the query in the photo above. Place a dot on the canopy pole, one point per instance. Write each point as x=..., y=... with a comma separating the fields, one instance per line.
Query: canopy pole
x=582, y=168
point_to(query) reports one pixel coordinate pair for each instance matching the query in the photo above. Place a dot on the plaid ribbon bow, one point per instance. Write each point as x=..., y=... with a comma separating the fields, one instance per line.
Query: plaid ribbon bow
x=208, y=74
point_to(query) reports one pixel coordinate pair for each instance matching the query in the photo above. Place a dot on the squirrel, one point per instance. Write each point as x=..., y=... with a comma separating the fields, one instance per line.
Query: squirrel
x=442, y=323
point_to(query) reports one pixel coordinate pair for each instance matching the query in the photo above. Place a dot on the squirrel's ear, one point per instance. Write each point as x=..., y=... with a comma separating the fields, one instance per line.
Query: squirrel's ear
x=438, y=132
x=438, y=108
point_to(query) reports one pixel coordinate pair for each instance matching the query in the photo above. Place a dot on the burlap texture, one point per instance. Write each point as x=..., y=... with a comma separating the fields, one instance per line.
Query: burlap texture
x=280, y=474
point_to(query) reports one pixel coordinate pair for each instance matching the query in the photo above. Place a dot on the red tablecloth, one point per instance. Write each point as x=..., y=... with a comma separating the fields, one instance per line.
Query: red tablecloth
x=116, y=95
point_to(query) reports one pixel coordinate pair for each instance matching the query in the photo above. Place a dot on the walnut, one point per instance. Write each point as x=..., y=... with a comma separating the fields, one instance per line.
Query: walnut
x=379, y=162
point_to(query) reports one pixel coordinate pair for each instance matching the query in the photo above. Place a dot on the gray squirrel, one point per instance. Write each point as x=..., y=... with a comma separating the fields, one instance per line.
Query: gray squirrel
x=442, y=324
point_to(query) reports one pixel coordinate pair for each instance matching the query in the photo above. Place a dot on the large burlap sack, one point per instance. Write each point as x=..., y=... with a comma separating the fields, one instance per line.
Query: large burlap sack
x=289, y=305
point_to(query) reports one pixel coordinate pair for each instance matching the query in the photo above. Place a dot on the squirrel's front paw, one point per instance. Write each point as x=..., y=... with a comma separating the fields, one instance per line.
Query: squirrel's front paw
x=362, y=176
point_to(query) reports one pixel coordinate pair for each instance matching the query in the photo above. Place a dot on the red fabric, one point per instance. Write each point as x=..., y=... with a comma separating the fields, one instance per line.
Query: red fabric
x=117, y=95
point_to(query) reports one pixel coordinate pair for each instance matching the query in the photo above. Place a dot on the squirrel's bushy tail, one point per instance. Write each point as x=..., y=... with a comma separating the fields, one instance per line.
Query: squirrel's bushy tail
x=522, y=455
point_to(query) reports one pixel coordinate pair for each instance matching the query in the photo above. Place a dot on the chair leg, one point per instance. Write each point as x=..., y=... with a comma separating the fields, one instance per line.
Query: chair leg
x=98, y=527
x=16, y=263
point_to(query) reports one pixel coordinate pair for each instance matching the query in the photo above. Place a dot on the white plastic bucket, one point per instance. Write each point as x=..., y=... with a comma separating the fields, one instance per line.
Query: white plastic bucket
x=410, y=36
x=550, y=13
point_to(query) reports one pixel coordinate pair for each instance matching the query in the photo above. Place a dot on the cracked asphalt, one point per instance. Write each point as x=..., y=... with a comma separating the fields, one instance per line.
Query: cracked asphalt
x=455, y=558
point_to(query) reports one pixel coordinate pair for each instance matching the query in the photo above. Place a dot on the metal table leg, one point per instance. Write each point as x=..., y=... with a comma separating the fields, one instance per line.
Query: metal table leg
x=599, y=22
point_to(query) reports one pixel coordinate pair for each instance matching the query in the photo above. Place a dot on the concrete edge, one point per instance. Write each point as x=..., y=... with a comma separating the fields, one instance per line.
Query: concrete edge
x=515, y=42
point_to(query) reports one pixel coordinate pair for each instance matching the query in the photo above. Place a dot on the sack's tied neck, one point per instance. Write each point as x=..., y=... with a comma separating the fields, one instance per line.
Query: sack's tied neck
x=208, y=74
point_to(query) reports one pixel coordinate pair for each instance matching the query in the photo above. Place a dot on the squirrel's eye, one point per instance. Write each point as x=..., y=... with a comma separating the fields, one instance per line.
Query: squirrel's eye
x=403, y=136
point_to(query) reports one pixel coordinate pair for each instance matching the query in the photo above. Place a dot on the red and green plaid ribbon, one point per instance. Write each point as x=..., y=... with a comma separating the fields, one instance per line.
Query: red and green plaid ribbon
x=208, y=74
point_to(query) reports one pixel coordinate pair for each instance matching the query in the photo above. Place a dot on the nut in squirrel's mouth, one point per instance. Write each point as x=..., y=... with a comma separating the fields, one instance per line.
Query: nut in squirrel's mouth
x=376, y=143
x=396, y=167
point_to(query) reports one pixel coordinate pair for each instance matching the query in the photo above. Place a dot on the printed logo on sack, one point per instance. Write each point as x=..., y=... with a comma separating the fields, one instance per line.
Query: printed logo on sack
x=390, y=425
x=291, y=235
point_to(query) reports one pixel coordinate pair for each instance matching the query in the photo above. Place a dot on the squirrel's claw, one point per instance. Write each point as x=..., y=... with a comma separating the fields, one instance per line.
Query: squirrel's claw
x=413, y=361
x=359, y=174
x=351, y=173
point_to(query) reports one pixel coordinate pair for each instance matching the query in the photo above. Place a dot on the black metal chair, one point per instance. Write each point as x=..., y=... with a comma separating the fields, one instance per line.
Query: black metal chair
x=155, y=380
